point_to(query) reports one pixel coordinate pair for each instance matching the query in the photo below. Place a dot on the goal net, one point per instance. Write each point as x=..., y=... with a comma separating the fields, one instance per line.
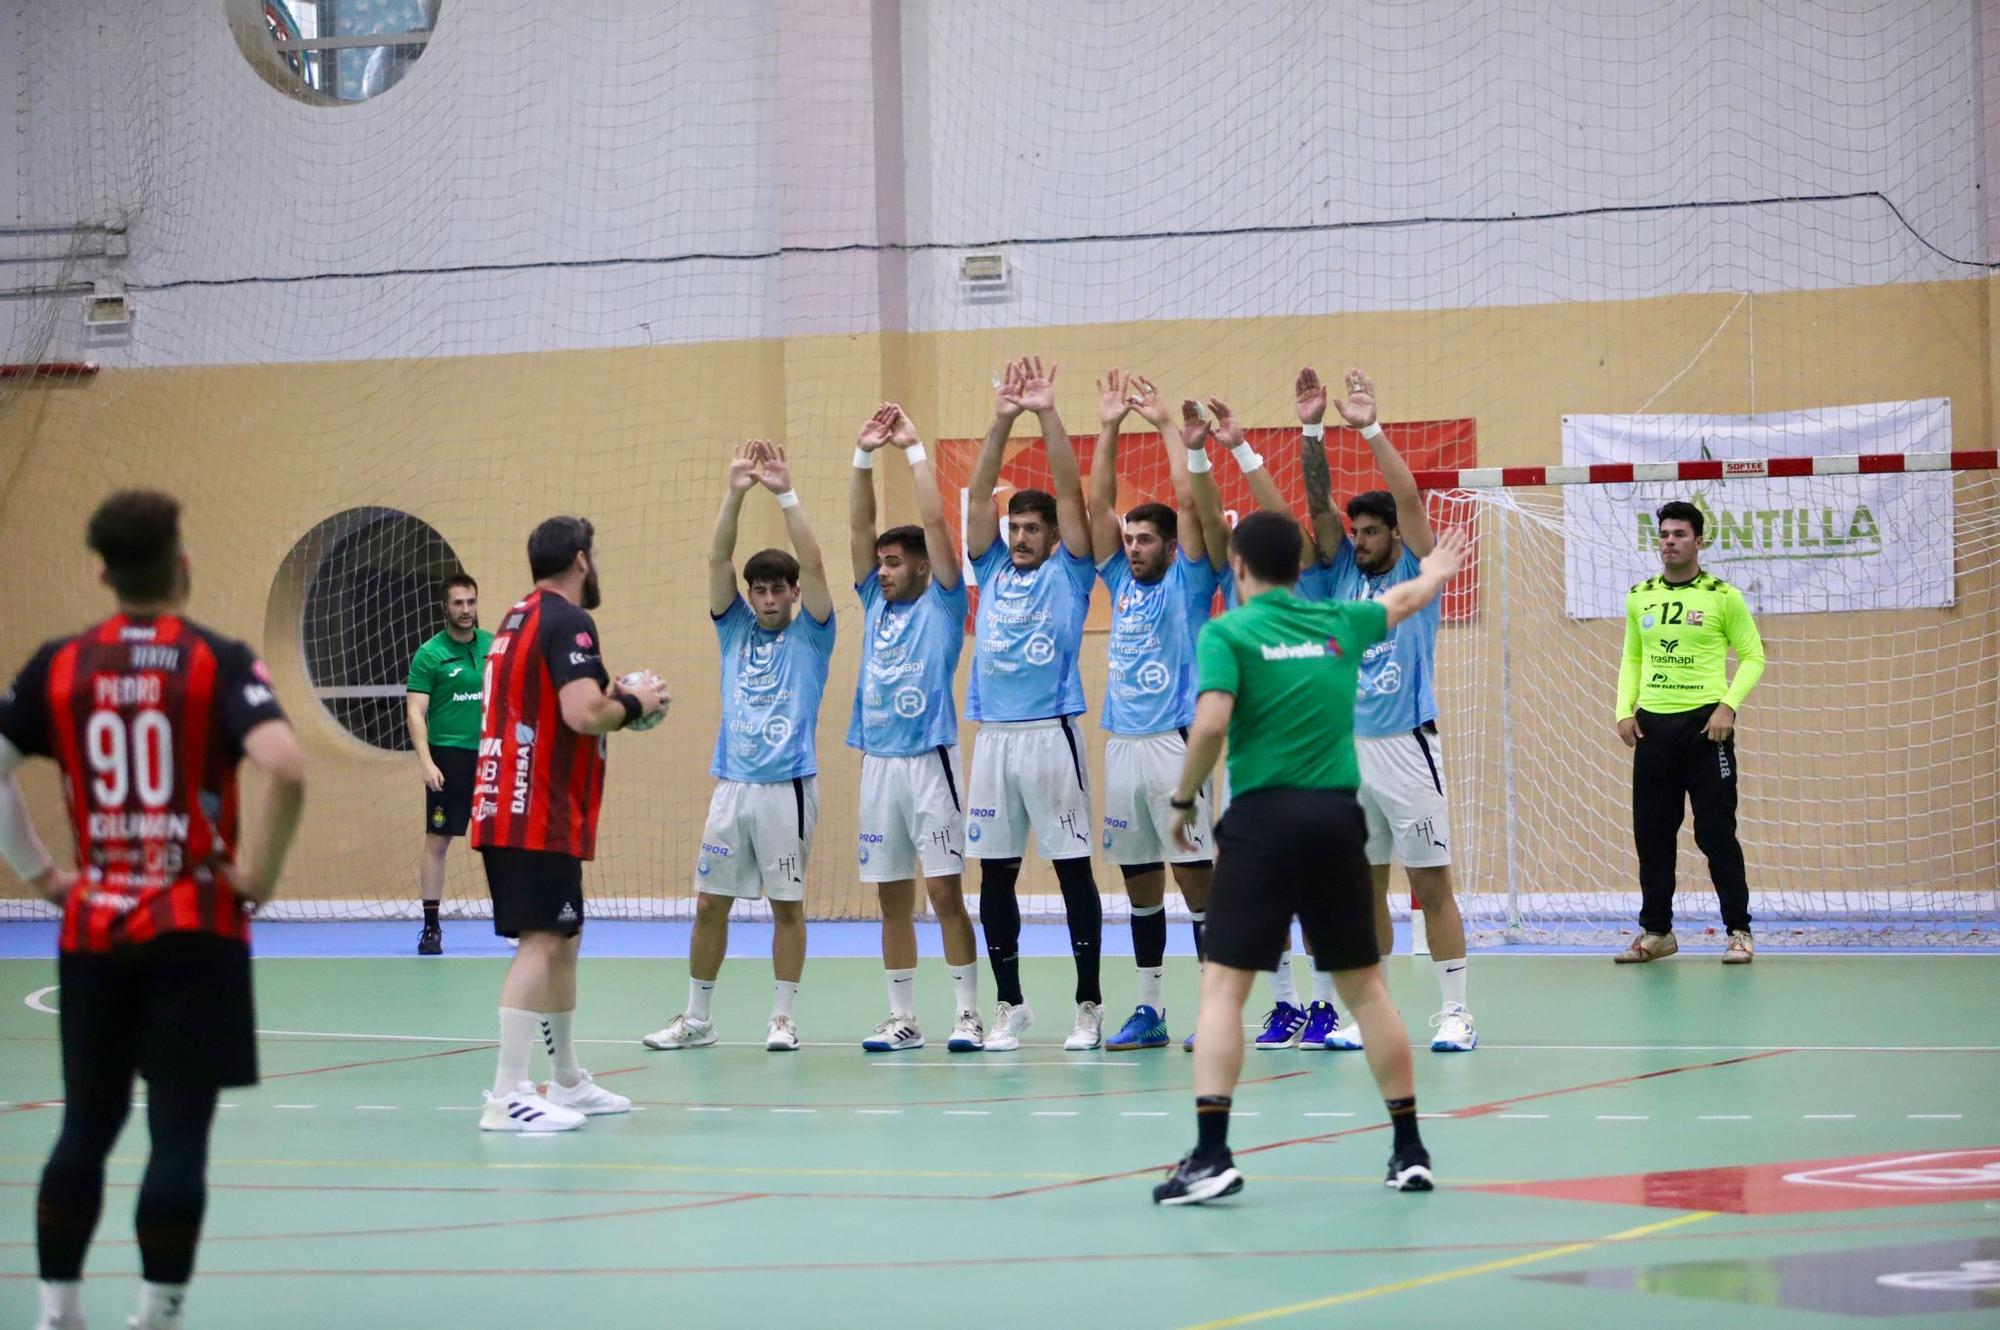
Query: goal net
x=377, y=285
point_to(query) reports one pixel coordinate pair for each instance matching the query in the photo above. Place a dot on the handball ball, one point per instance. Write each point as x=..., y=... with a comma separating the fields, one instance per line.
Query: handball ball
x=636, y=679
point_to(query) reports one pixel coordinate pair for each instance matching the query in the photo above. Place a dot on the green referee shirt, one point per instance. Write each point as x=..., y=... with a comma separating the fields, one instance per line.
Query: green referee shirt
x=1291, y=664
x=1678, y=637
x=453, y=674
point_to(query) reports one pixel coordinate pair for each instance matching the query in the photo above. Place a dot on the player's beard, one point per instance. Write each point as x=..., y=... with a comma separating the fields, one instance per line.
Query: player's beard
x=591, y=598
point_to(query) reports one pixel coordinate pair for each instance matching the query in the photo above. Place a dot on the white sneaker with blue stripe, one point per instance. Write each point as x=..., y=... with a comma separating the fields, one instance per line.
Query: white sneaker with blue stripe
x=1455, y=1032
x=523, y=1110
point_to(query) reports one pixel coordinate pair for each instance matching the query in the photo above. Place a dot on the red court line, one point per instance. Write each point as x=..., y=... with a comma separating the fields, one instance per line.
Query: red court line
x=1477, y=1110
x=375, y=1062
x=361, y=1189
x=953, y=1103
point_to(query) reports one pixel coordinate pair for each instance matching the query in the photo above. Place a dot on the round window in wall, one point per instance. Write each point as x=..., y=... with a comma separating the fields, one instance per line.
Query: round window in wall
x=368, y=584
x=330, y=52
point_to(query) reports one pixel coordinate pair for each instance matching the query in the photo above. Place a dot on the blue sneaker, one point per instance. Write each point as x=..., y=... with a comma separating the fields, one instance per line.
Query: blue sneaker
x=1145, y=1029
x=1282, y=1027
x=1321, y=1021
x=1187, y=1044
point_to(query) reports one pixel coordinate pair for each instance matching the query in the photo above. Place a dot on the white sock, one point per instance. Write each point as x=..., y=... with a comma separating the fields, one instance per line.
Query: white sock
x=1323, y=986
x=160, y=1304
x=700, y=993
x=782, y=994
x=1152, y=984
x=557, y=1036
x=62, y=1301
x=902, y=992
x=965, y=986
x=1283, y=988
x=519, y=1032
x=1451, y=980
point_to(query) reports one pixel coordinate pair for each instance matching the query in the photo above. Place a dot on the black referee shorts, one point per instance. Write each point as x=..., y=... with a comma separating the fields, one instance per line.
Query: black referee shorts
x=446, y=811
x=1284, y=854
x=177, y=1010
x=534, y=891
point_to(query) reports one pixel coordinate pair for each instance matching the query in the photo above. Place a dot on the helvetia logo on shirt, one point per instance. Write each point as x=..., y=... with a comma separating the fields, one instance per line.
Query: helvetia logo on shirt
x=1302, y=650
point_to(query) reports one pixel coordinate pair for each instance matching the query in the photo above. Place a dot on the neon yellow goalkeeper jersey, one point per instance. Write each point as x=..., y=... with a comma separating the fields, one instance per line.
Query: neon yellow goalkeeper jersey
x=1678, y=637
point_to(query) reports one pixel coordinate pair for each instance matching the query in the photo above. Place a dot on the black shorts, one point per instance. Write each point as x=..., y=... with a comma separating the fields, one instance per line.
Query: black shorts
x=446, y=811
x=1283, y=854
x=177, y=1010
x=534, y=891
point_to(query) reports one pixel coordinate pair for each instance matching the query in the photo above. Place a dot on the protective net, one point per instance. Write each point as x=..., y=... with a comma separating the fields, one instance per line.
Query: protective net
x=376, y=307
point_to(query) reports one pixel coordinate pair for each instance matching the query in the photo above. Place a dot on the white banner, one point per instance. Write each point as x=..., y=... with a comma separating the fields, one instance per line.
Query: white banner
x=1808, y=544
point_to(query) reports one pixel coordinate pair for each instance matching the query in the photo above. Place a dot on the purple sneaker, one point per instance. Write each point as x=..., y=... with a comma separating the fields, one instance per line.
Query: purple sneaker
x=1282, y=1027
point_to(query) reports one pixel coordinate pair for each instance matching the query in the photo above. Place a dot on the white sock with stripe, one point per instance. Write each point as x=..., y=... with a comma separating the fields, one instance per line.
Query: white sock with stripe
x=558, y=1029
x=520, y=1031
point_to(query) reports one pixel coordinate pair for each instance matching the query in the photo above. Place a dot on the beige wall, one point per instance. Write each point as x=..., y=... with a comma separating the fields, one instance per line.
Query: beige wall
x=482, y=448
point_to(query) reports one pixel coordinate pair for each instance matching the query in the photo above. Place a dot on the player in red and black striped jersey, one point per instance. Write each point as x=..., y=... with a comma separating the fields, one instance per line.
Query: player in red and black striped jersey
x=148, y=716
x=535, y=795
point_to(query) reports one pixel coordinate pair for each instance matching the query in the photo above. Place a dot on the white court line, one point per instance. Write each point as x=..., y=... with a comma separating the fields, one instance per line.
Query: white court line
x=1723, y=1117
x=709, y=1108
x=1052, y=1113
x=1828, y=1117
x=229, y=1105
x=795, y=1110
x=878, y=1112
x=1329, y=1115
x=1624, y=1117
x=467, y=1108
x=1126, y=1063
x=1934, y=1117
x=295, y=1106
x=1524, y=1117
x=1150, y=1114
x=376, y=1108
x=1436, y=1115
x=968, y=1112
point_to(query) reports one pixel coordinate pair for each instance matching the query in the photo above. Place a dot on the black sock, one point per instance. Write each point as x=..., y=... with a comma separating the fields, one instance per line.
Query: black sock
x=1000, y=919
x=1403, y=1118
x=1211, y=1122
x=1085, y=910
x=430, y=914
x=1200, y=919
x=1149, y=939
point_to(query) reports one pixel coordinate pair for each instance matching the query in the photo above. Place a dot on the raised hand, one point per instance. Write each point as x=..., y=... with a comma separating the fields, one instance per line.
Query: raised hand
x=1145, y=399
x=1445, y=557
x=1358, y=407
x=1227, y=432
x=1035, y=390
x=774, y=471
x=1113, y=401
x=1194, y=427
x=1310, y=397
x=903, y=430
x=743, y=465
x=875, y=432
x=1007, y=392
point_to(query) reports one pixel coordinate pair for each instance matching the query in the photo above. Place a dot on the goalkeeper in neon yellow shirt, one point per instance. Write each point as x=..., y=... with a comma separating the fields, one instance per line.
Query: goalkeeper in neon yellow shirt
x=1677, y=711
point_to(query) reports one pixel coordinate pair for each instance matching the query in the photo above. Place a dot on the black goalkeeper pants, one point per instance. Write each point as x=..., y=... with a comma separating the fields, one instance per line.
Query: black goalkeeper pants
x=1675, y=766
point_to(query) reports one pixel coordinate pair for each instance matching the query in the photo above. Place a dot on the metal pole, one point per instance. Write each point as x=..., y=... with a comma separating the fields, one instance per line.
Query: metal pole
x=1507, y=731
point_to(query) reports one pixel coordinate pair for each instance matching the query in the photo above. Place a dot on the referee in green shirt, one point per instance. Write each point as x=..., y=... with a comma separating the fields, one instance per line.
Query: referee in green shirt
x=1277, y=677
x=447, y=690
x=1677, y=712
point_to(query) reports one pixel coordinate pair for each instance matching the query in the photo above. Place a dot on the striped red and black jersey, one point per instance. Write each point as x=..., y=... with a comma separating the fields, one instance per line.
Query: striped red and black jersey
x=539, y=782
x=146, y=718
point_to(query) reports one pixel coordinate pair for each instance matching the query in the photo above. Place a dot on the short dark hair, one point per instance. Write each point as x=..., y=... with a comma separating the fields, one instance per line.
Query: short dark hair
x=1269, y=545
x=1679, y=510
x=1164, y=519
x=1378, y=504
x=1039, y=502
x=555, y=544
x=909, y=539
x=771, y=566
x=138, y=535
x=457, y=580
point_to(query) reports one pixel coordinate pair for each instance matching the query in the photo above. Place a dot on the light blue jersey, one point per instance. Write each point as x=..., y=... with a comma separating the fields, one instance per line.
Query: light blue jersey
x=902, y=699
x=1225, y=582
x=1151, y=688
x=1027, y=634
x=1396, y=692
x=1316, y=578
x=771, y=688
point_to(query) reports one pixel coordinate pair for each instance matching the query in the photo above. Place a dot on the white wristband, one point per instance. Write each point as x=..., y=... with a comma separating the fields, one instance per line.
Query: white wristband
x=915, y=452
x=864, y=460
x=1198, y=462
x=789, y=499
x=1372, y=432
x=1246, y=458
x=1315, y=431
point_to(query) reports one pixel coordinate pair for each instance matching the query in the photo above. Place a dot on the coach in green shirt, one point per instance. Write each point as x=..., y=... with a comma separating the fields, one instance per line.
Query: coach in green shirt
x=1278, y=679
x=447, y=692
x=1677, y=712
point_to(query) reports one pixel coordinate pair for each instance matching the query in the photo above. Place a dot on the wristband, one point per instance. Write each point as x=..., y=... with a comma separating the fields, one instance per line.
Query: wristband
x=1246, y=458
x=1180, y=805
x=633, y=709
x=789, y=499
x=864, y=460
x=915, y=452
x=1315, y=432
x=1372, y=432
x=1198, y=462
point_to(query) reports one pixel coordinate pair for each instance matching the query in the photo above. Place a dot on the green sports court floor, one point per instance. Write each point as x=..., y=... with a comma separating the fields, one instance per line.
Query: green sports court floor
x=1601, y=1158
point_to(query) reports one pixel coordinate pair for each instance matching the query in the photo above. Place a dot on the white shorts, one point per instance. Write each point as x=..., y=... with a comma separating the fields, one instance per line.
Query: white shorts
x=758, y=839
x=1140, y=774
x=1028, y=774
x=911, y=817
x=1402, y=793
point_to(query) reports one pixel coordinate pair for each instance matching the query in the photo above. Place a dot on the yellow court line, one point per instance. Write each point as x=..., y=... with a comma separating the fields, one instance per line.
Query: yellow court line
x=1447, y=1276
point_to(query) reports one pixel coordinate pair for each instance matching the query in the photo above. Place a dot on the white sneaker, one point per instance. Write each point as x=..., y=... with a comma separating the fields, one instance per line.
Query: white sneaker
x=895, y=1035
x=1088, y=1033
x=587, y=1097
x=1345, y=1036
x=1009, y=1024
x=683, y=1031
x=782, y=1037
x=521, y=1109
x=1454, y=1031
x=967, y=1034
